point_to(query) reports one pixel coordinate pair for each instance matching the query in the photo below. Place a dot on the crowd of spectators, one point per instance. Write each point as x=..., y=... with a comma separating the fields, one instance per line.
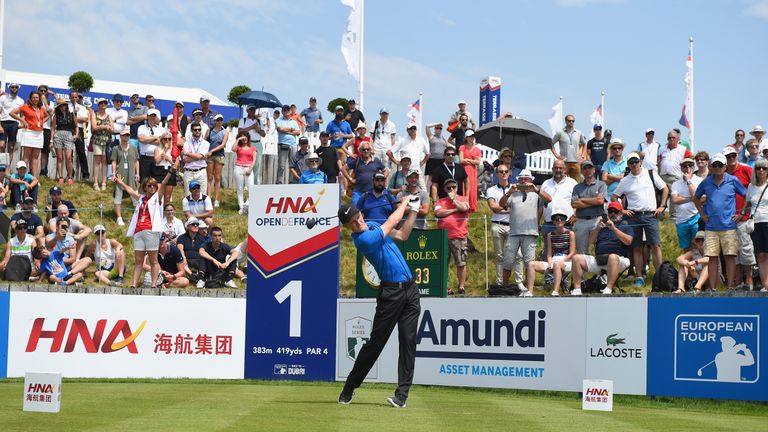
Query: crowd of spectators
x=598, y=212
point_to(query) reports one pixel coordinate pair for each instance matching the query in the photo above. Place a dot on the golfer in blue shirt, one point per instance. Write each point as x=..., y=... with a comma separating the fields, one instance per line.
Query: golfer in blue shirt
x=397, y=302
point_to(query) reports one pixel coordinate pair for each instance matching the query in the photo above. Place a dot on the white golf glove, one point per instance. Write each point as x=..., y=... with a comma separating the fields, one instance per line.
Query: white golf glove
x=414, y=203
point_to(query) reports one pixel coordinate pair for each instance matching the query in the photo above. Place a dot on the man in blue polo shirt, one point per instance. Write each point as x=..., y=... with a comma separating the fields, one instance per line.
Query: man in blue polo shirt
x=378, y=203
x=287, y=131
x=398, y=300
x=339, y=129
x=717, y=213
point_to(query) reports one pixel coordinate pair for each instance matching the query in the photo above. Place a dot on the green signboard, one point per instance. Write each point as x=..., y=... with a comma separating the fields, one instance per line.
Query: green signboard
x=425, y=251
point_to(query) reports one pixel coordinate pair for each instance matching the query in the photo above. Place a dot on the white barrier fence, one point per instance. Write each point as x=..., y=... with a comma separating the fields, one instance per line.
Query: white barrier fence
x=539, y=344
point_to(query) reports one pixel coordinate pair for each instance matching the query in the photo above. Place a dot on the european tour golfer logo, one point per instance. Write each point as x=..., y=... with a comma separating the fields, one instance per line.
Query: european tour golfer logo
x=278, y=224
x=358, y=332
x=719, y=348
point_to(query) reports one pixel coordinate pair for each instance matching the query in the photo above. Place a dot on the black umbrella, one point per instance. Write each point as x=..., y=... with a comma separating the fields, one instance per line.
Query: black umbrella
x=260, y=99
x=519, y=135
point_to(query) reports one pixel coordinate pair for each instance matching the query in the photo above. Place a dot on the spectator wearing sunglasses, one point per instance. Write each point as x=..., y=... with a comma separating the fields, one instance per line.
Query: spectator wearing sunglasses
x=718, y=214
x=643, y=208
x=588, y=200
x=687, y=216
x=452, y=213
x=757, y=199
x=500, y=224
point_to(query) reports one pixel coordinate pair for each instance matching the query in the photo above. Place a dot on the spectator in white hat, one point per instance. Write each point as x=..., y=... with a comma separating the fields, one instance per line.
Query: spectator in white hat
x=217, y=138
x=649, y=150
x=313, y=175
x=109, y=256
x=383, y=134
x=758, y=132
x=456, y=117
x=414, y=146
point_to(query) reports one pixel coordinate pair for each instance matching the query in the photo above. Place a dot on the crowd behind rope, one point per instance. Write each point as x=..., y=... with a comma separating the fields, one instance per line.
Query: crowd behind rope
x=600, y=193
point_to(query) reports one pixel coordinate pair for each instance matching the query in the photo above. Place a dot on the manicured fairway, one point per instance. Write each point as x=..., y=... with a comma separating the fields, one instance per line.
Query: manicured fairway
x=274, y=406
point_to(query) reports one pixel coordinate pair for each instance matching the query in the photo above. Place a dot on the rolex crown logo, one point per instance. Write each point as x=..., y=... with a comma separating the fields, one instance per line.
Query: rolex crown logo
x=422, y=241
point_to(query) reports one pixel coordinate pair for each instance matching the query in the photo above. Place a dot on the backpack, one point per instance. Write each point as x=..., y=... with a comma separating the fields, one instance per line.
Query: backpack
x=665, y=279
x=595, y=284
x=217, y=279
x=503, y=291
x=657, y=192
x=18, y=269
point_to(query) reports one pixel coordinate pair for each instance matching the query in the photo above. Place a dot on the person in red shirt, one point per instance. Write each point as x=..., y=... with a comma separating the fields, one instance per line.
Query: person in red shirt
x=745, y=258
x=452, y=213
x=361, y=137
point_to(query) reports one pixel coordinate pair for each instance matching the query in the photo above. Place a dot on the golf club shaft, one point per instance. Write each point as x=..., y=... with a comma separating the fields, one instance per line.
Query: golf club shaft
x=313, y=222
x=702, y=368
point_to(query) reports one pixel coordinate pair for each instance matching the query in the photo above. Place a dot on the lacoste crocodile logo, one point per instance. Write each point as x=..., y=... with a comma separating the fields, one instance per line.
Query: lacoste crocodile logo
x=613, y=340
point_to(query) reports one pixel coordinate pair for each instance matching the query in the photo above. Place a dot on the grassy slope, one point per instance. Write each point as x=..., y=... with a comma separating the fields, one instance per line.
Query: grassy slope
x=195, y=405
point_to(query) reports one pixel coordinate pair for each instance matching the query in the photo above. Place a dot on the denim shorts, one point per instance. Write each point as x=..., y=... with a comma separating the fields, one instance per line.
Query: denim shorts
x=645, y=224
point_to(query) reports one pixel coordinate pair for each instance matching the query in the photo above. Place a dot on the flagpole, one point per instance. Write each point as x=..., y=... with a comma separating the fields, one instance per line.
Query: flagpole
x=602, y=104
x=362, y=50
x=692, y=118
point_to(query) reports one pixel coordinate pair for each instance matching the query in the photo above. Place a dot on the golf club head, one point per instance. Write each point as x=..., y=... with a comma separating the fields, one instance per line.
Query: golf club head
x=311, y=223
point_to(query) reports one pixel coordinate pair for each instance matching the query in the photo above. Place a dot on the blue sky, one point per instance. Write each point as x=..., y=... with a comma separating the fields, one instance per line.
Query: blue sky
x=633, y=50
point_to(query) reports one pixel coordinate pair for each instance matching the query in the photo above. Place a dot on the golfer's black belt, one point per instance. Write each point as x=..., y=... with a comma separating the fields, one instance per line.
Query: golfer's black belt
x=638, y=212
x=194, y=169
x=398, y=284
x=500, y=222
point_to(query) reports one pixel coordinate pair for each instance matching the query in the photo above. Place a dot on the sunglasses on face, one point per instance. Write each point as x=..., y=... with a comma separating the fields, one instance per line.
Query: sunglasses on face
x=613, y=211
x=151, y=185
x=702, y=160
x=150, y=100
x=717, y=165
x=633, y=162
x=196, y=130
x=165, y=139
x=687, y=166
x=558, y=219
x=699, y=240
x=450, y=187
x=63, y=226
x=365, y=149
x=754, y=146
x=450, y=154
x=739, y=135
x=20, y=227
x=502, y=172
x=507, y=156
x=761, y=168
x=732, y=155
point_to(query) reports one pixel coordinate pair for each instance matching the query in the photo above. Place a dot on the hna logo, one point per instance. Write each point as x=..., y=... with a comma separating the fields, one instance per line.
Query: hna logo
x=40, y=388
x=91, y=341
x=591, y=391
x=294, y=205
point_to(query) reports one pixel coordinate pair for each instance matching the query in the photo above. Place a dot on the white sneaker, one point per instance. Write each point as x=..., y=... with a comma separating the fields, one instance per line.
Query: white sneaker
x=230, y=284
x=216, y=204
x=576, y=292
x=555, y=294
x=525, y=293
x=521, y=287
x=764, y=289
x=606, y=291
x=201, y=283
x=120, y=221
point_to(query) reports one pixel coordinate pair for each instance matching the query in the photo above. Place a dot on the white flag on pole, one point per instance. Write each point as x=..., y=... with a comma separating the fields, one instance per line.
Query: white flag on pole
x=414, y=114
x=556, y=119
x=350, y=40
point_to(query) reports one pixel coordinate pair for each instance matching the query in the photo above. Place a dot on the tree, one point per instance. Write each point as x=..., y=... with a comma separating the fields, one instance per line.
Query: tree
x=233, y=123
x=80, y=81
x=236, y=92
x=338, y=101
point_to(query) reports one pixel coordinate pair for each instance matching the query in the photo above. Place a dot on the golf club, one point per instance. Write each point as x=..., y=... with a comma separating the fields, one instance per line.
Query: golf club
x=701, y=368
x=313, y=221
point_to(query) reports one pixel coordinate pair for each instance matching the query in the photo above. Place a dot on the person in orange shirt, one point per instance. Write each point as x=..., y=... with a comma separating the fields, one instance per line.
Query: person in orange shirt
x=299, y=119
x=31, y=117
